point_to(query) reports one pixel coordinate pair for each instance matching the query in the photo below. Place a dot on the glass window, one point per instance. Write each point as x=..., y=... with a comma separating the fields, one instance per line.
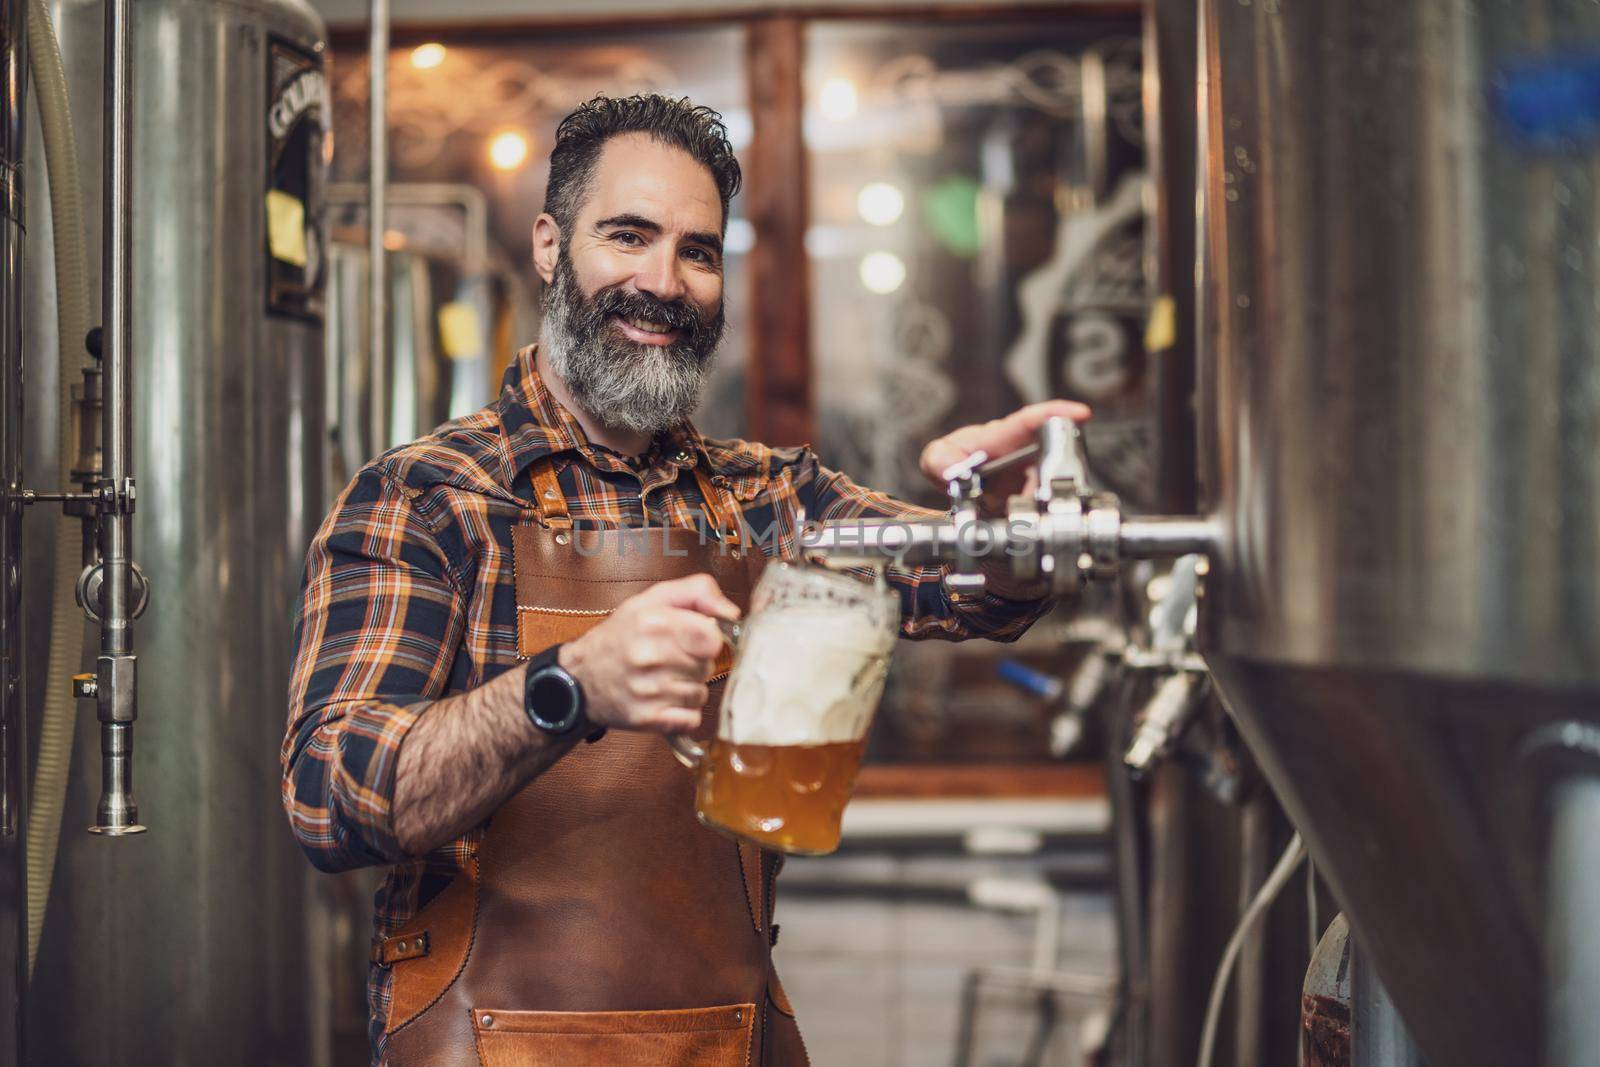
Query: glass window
x=977, y=242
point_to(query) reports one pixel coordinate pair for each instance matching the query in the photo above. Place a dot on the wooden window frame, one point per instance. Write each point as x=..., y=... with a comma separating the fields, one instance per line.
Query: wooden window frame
x=780, y=401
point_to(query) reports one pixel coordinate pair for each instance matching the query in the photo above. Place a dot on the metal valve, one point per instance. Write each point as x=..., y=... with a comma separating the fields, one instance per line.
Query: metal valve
x=1171, y=657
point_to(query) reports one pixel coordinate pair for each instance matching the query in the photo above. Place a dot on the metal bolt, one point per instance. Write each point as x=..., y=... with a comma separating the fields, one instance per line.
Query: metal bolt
x=562, y=538
x=487, y=1020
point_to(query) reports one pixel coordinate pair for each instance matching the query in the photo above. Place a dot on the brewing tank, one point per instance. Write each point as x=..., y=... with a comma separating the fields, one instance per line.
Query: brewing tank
x=193, y=943
x=1400, y=367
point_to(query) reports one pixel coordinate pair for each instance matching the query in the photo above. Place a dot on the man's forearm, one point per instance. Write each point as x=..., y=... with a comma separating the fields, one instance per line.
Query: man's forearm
x=463, y=758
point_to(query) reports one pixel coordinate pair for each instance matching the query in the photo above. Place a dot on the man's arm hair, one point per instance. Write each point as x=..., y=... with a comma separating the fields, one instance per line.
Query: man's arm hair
x=466, y=757
x=377, y=767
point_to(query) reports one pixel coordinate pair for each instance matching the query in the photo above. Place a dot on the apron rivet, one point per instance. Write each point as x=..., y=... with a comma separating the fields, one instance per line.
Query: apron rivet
x=734, y=553
x=561, y=538
x=487, y=1020
x=738, y=1016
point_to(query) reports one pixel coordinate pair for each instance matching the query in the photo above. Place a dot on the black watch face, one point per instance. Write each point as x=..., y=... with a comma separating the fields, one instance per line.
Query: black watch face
x=552, y=699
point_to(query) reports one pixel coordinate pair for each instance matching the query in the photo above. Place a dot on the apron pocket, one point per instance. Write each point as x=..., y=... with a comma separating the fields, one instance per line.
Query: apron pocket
x=692, y=1037
x=540, y=627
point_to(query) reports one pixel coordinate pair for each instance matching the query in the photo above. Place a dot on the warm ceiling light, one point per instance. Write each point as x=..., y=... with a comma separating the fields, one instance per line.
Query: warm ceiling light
x=508, y=150
x=837, y=99
x=882, y=272
x=394, y=240
x=427, y=56
x=880, y=203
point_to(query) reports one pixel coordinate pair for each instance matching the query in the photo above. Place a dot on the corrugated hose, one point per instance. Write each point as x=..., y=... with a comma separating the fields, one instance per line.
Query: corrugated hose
x=58, y=723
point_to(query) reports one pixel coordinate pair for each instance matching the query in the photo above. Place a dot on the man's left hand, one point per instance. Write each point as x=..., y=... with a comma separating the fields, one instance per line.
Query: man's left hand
x=998, y=437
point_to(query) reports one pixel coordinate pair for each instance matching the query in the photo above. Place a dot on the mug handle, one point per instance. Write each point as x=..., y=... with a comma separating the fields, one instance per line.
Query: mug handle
x=689, y=751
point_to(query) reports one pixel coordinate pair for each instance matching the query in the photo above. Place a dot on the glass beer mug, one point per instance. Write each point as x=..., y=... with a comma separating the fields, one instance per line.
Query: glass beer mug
x=810, y=658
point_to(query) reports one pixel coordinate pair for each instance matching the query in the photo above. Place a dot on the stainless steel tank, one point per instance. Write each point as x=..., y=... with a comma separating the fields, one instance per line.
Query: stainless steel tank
x=1400, y=280
x=194, y=943
x=13, y=635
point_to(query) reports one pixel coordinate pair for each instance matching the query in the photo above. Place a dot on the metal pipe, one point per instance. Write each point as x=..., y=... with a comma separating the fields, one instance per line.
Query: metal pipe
x=932, y=541
x=1128, y=812
x=377, y=221
x=1572, y=937
x=470, y=199
x=1092, y=86
x=1164, y=536
x=1378, y=1036
x=116, y=699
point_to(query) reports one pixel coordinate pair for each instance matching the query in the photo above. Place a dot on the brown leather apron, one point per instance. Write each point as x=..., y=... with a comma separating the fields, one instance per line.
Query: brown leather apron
x=599, y=922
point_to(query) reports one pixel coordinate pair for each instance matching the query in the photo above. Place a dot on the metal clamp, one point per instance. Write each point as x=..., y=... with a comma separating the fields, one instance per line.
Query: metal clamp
x=91, y=583
x=117, y=498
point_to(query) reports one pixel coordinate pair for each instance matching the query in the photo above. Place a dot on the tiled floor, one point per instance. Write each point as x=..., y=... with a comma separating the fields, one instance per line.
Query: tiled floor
x=877, y=979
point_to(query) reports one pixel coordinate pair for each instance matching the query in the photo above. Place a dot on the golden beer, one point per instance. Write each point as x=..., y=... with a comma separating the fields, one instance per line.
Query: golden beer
x=784, y=797
x=809, y=665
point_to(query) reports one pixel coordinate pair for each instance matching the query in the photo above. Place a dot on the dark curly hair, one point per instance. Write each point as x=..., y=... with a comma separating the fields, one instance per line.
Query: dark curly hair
x=696, y=129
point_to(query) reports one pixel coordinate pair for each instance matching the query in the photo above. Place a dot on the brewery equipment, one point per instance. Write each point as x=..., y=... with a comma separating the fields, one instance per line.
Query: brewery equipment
x=13, y=740
x=1063, y=535
x=1400, y=361
x=192, y=941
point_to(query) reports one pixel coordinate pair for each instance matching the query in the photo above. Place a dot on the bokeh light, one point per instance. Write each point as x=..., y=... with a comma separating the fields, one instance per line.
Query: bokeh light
x=880, y=203
x=837, y=99
x=882, y=272
x=508, y=150
x=427, y=56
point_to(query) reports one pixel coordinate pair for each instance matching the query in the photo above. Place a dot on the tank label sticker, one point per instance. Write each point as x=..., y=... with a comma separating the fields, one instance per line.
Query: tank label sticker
x=297, y=139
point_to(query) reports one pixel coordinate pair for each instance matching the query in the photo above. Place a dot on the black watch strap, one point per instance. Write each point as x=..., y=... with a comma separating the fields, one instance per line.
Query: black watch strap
x=553, y=699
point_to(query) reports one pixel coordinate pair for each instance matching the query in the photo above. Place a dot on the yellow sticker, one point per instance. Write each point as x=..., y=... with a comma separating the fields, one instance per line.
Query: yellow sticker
x=286, y=227
x=459, y=333
x=1161, y=332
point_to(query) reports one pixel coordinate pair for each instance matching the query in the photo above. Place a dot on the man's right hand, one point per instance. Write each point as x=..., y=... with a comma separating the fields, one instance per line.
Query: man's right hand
x=645, y=667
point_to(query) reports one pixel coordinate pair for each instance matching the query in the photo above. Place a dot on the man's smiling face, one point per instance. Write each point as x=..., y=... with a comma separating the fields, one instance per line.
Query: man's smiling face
x=634, y=307
x=652, y=223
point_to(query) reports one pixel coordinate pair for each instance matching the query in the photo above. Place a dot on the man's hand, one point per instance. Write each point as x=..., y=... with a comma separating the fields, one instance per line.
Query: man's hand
x=998, y=437
x=645, y=667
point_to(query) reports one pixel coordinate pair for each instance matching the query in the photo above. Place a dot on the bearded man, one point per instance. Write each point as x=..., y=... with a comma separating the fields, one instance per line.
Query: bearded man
x=550, y=897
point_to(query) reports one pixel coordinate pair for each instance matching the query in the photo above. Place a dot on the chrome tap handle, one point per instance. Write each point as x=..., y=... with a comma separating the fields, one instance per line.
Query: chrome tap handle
x=1063, y=461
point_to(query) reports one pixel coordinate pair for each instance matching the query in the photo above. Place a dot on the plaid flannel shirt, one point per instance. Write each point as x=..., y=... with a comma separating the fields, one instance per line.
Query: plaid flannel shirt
x=408, y=597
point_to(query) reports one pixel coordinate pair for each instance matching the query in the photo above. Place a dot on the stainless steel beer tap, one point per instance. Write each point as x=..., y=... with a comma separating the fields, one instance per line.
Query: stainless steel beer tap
x=1065, y=533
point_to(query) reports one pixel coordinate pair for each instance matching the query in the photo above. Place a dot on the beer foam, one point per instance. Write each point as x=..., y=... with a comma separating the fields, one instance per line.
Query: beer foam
x=805, y=676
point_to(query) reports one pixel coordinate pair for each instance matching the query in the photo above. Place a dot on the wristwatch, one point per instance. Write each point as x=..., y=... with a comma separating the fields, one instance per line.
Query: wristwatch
x=553, y=699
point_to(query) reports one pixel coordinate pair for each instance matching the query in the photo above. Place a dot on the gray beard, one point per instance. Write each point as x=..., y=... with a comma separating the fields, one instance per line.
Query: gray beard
x=620, y=383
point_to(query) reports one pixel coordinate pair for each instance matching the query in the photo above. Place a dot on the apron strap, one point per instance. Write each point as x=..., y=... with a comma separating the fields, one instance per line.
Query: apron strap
x=548, y=498
x=551, y=502
x=720, y=509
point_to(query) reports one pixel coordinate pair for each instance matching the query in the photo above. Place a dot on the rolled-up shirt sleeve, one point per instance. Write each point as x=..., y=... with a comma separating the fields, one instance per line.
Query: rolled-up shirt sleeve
x=928, y=609
x=379, y=618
